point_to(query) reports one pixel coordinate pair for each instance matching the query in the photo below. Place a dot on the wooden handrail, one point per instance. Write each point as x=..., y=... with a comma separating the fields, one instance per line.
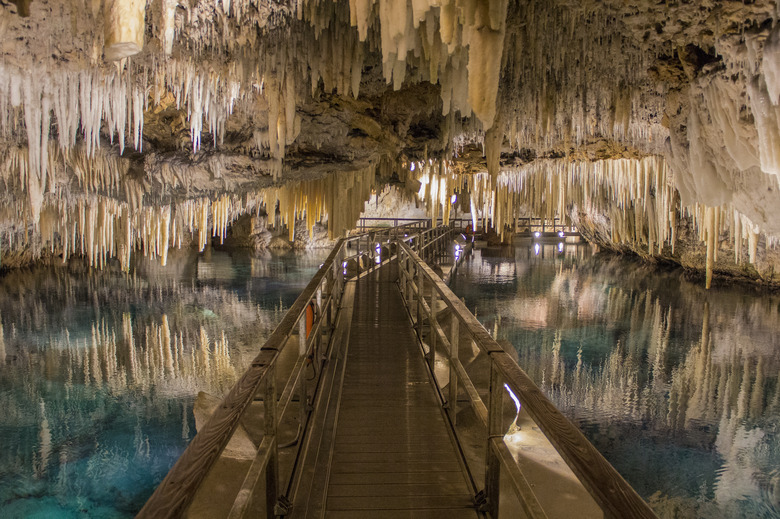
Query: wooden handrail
x=177, y=490
x=609, y=489
x=180, y=486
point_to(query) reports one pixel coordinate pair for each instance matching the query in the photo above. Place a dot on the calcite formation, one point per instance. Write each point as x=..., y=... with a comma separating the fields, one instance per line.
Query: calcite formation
x=637, y=119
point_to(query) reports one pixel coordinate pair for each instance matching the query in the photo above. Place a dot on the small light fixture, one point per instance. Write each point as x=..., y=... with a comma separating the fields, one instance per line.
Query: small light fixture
x=453, y=198
x=537, y=234
x=513, y=397
x=560, y=233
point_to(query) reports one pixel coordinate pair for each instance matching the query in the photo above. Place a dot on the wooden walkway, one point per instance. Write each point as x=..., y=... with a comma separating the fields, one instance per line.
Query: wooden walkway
x=389, y=453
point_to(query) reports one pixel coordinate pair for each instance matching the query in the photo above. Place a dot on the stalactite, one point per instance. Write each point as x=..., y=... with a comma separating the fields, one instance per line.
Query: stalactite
x=124, y=29
x=102, y=227
x=341, y=196
x=570, y=85
x=637, y=194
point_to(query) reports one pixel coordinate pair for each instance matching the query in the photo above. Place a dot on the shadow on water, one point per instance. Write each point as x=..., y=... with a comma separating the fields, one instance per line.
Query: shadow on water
x=676, y=385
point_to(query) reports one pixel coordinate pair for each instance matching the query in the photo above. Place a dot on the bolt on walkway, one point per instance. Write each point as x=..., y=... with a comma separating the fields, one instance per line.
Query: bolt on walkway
x=390, y=453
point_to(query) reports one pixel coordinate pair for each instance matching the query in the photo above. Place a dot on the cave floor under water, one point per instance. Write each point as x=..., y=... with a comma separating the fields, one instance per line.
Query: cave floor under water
x=676, y=385
x=99, y=370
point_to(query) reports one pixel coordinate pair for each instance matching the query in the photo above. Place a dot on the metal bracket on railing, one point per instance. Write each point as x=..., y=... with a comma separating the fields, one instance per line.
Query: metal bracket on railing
x=481, y=501
x=282, y=507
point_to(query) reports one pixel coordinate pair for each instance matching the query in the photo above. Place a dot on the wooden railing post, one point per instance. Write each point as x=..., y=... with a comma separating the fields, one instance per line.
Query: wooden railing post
x=302, y=334
x=408, y=265
x=492, y=463
x=331, y=304
x=303, y=389
x=402, y=275
x=454, y=341
x=337, y=273
x=270, y=419
x=318, y=315
x=432, y=327
x=420, y=296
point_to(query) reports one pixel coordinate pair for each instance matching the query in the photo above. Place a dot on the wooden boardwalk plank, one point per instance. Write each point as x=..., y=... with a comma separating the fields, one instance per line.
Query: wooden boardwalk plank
x=398, y=502
x=389, y=478
x=395, y=467
x=399, y=489
x=393, y=456
x=396, y=447
x=457, y=513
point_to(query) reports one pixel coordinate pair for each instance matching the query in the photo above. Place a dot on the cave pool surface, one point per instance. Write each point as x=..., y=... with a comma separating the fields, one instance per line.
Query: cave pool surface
x=677, y=386
x=99, y=371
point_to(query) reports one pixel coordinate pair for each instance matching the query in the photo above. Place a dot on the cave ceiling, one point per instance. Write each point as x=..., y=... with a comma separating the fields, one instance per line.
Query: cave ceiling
x=148, y=103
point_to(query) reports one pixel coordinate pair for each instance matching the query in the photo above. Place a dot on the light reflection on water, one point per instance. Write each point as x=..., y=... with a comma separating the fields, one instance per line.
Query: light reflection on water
x=677, y=386
x=99, y=371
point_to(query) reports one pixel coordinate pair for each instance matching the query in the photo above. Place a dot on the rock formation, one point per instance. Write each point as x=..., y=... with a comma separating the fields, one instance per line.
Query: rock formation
x=655, y=127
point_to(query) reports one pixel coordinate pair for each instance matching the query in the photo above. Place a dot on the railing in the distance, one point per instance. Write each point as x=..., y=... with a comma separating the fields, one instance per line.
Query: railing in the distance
x=608, y=488
x=525, y=224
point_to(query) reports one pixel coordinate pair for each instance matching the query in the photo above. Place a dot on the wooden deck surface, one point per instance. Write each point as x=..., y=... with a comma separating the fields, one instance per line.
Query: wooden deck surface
x=391, y=453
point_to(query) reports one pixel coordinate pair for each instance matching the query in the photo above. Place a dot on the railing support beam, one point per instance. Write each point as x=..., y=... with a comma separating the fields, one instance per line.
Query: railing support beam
x=270, y=419
x=495, y=419
x=454, y=342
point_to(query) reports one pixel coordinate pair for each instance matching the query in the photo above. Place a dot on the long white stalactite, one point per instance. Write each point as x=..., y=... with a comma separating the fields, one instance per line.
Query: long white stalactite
x=637, y=195
x=100, y=227
x=574, y=77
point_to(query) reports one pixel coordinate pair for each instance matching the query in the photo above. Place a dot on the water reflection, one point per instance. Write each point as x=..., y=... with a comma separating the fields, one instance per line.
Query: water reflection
x=676, y=385
x=99, y=371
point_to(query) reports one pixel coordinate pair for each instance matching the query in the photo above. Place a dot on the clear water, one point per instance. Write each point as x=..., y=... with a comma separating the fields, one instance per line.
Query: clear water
x=677, y=386
x=99, y=371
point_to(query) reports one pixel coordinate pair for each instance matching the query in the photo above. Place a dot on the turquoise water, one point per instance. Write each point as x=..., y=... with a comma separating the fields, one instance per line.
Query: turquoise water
x=99, y=371
x=676, y=385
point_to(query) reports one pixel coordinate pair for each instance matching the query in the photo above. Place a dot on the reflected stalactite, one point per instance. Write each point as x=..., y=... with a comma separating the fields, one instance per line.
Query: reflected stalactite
x=2, y=344
x=44, y=442
x=102, y=370
x=643, y=378
x=100, y=227
x=677, y=386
